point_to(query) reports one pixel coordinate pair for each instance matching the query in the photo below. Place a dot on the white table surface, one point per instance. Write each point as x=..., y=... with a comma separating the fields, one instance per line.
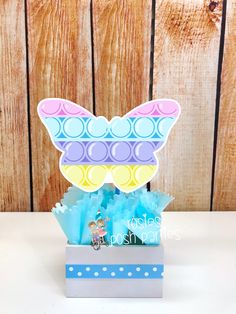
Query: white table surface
x=200, y=267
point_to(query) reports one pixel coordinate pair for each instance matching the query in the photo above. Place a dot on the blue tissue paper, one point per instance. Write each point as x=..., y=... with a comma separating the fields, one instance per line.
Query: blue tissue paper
x=137, y=214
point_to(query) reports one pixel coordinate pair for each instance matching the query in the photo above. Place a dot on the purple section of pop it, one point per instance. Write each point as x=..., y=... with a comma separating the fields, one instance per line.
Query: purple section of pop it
x=97, y=151
x=114, y=153
x=144, y=151
x=74, y=151
x=120, y=151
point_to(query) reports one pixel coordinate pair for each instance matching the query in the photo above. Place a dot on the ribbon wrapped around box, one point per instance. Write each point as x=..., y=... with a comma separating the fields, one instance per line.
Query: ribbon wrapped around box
x=118, y=271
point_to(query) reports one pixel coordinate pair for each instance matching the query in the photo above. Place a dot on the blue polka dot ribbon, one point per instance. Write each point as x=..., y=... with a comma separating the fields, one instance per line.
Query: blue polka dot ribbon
x=115, y=271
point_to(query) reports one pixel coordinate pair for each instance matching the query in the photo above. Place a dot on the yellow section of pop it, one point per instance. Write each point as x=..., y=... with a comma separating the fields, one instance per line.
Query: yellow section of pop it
x=86, y=177
x=127, y=178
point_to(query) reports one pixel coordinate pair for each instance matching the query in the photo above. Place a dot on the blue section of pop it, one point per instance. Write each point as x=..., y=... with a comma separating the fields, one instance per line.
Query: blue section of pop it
x=119, y=129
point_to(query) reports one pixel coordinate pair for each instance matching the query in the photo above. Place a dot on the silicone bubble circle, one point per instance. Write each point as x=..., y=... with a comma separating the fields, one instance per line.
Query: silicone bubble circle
x=74, y=151
x=97, y=127
x=70, y=109
x=53, y=125
x=143, y=173
x=128, y=178
x=73, y=127
x=164, y=125
x=147, y=110
x=167, y=107
x=144, y=127
x=122, y=175
x=143, y=151
x=53, y=109
x=74, y=173
x=120, y=127
x=121, y=151
x=95, y=175
x=97, y=151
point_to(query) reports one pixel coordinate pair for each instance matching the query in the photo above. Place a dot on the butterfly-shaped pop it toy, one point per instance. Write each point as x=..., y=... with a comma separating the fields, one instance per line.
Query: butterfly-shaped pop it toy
x=95, y=150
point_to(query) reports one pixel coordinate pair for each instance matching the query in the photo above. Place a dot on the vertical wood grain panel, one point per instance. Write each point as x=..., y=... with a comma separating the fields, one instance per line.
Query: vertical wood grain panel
x=225, y=171
x=122, y=34
x=59, y=39
x=14, y=152
x=187, y=36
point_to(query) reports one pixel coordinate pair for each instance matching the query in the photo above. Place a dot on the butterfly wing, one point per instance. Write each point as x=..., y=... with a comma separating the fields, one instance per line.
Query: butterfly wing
x=151, y=124
x=93, y=148
x=69, y=125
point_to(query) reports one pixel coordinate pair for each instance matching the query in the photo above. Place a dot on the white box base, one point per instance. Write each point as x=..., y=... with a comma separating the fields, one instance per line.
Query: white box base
x=116, y=271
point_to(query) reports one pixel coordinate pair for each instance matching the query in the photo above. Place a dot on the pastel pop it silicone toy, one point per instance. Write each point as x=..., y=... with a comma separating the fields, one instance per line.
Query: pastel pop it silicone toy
x=95, y=151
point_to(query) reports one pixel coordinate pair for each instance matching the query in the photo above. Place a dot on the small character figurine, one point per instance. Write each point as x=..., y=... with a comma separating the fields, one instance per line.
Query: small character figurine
x=95, y=235
x=101, y=230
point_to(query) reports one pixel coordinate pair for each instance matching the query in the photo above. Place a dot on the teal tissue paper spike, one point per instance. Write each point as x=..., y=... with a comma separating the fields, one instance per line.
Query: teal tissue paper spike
x=149, y=233
x=147, y=219
x=151, y=203
x=70, y=222
x=108, y=193
x=119, y=232
x=72, y=196
x=121, y=209
x=74, y=220
x=163, y=201
x=78, y=208
x=90, y=207
x=113, y=211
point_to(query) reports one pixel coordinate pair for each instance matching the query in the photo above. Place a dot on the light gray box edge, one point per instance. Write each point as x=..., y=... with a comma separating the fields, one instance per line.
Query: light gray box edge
x=114, y=288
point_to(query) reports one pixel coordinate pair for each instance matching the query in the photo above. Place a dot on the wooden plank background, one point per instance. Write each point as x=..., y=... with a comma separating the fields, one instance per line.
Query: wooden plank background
x=59, y=41
x=185, y=68
x=110, y=56
x=225, y=174
x=14, y=148
x=121, y=79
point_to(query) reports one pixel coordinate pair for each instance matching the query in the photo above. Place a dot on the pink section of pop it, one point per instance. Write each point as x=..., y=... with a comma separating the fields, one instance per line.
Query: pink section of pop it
x=157, y=108
x=59, y=107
